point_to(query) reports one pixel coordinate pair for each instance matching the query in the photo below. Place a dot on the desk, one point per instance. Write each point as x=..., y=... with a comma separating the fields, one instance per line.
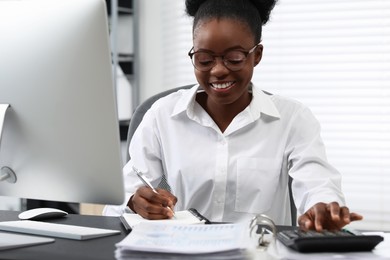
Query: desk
x=99, y=248
x=94, y=249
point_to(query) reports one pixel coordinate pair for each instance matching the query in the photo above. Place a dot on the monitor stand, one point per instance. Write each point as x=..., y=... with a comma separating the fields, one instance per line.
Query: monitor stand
x=6, y=172
x=3, y=110
x=7, y=240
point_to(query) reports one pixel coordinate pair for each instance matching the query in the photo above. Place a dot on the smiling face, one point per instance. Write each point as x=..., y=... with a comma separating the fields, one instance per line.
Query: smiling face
x=223, y=86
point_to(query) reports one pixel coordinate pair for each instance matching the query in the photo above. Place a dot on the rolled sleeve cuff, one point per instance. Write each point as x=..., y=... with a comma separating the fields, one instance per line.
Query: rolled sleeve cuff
x=118, y=210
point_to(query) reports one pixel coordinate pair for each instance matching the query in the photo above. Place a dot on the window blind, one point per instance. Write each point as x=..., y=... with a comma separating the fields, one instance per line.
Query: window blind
x=333, y=56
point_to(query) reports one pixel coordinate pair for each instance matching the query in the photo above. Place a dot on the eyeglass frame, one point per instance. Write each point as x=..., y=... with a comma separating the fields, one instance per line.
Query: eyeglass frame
x=245, y=52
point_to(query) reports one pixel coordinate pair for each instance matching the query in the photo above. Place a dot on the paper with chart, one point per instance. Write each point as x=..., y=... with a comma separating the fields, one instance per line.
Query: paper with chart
x=186, y=239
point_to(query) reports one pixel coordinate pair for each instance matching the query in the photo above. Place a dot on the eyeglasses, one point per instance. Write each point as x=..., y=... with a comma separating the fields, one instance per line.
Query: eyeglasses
x=234, y=60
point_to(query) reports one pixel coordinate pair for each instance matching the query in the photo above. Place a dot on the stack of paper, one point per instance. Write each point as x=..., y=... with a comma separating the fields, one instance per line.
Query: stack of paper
x=181, y=241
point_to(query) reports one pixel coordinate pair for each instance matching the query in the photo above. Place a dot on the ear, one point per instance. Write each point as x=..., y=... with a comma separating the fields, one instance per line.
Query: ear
x=258, y=54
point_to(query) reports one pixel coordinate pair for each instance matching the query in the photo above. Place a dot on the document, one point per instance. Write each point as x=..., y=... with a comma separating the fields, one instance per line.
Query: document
x=159, y=240
x=191, y=216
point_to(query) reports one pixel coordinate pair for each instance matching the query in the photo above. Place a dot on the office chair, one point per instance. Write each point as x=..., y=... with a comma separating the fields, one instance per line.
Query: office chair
x=137, y=118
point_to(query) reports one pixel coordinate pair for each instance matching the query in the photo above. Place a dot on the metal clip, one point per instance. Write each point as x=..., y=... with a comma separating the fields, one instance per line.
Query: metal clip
x=266, y=224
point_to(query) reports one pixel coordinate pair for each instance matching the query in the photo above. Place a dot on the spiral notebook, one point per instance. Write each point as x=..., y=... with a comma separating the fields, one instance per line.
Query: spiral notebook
x=190, y=216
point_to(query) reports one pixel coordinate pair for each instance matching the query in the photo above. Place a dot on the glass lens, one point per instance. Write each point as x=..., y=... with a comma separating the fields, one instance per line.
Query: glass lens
x=234, y=60
x=203, y=60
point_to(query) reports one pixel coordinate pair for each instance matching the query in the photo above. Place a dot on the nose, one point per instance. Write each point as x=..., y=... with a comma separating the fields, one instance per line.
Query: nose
x=219, y=67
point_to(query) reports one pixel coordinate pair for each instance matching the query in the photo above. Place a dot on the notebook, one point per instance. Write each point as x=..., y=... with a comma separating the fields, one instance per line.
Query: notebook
x=190, y=216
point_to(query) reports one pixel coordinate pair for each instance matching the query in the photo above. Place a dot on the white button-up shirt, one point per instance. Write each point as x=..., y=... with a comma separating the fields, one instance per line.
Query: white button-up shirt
x=243, y=171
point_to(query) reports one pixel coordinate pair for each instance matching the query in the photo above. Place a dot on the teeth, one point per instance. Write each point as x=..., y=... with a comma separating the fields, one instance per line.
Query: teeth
x=223, y=85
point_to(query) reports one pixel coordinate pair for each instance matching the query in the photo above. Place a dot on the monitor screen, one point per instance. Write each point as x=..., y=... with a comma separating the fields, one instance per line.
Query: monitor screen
x=60, y=131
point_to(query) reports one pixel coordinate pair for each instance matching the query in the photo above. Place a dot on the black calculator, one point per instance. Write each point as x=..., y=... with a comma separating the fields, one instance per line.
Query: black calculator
x=327, y=241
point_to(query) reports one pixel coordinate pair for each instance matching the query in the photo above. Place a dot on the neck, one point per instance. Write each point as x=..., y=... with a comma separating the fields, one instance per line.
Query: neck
x=223, y=114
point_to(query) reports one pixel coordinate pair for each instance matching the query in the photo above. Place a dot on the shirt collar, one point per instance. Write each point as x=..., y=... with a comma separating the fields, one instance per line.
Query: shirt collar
x=187, y=101
x=261, y=102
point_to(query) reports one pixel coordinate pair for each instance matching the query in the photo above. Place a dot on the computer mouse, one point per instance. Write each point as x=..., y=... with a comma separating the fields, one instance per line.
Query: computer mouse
x=42, y=213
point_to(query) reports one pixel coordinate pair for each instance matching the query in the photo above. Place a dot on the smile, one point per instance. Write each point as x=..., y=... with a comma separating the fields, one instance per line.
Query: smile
x=222, y=85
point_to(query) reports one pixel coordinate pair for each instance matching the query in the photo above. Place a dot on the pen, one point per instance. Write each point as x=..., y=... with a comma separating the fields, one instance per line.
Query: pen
x=147, y=183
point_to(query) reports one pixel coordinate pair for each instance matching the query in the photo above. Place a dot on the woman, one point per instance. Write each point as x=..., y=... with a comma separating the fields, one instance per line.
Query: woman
x=226, y=147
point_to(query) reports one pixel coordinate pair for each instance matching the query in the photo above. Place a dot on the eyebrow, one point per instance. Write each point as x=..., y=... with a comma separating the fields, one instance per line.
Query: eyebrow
x=237, y=47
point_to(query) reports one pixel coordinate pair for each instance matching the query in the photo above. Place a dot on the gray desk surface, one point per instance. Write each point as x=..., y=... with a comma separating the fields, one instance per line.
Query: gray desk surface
x=99, y=248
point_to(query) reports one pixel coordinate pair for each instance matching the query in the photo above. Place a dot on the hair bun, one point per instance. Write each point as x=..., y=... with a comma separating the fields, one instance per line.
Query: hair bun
x=192, y=6
x=264, y=7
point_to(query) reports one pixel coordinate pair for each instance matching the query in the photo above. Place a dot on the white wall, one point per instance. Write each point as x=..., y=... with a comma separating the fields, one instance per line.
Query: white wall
x=165, y=37
x=149, y=42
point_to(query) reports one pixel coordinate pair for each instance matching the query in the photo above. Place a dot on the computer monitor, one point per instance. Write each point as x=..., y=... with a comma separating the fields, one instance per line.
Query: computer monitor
x=60, y=133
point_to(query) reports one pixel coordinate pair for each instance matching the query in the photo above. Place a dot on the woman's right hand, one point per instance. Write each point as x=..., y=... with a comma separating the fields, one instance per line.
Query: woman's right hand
x=151, y=205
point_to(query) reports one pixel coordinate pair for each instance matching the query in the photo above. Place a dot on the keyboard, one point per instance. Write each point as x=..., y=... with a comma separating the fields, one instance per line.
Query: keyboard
x=55, y=230
x=327, y=241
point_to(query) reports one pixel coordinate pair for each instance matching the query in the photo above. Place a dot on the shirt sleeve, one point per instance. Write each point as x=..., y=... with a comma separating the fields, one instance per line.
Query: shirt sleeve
x=117, y=210
x=314, y=179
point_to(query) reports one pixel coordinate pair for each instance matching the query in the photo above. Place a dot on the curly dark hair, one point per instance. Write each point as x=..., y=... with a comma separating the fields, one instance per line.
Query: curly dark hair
x=254, y=13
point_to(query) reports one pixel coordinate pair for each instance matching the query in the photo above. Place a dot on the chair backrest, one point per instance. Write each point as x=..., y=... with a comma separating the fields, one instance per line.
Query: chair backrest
x=137, y=118
x=140, y=111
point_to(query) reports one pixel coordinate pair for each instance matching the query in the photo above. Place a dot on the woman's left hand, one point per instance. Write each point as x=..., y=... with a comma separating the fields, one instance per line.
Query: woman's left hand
x=327, y=217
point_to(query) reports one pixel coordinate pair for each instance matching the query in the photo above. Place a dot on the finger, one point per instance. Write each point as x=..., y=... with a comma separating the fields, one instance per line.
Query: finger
x=320, y=216
x=169, y=200
x=335, y=212
x=344, y=212
x=170, y=205
x=172, y=199
x=304, y=222
x=355, y=217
